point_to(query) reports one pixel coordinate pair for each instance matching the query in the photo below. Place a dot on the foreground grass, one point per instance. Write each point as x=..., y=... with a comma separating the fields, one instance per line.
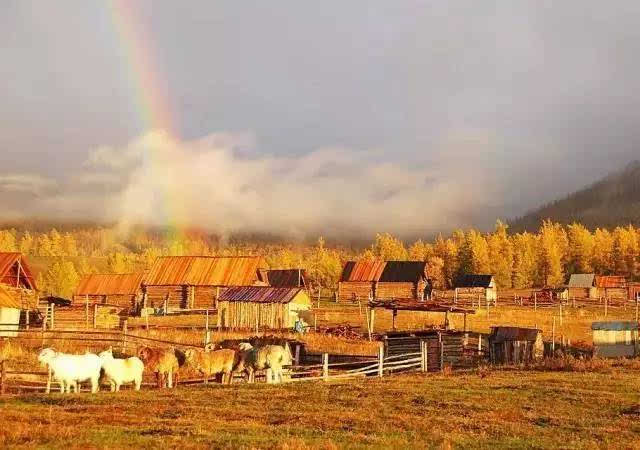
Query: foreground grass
x=500, y=410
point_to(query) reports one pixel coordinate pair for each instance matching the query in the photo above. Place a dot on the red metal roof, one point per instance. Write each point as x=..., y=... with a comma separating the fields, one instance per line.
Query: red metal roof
x=204, y=271
x=284, y=277
x=362, y=270
x=9, y=267
x=7, y=300
x=262, y=294
x=110, y=284
x=611, y=281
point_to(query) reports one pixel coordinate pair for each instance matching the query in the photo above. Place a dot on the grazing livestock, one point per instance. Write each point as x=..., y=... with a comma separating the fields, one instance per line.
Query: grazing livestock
x=121, y=371
x=69, y=370
x=269, y=357
x=212, y=363
x=162, y=362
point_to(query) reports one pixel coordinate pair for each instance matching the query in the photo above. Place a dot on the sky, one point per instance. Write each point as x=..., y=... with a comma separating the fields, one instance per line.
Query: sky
x=305, y=118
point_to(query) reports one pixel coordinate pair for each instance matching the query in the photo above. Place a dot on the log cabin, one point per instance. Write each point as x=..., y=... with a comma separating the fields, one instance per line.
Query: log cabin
x=196, y=282
x=119, y=289
x=361, y=280
x=261, y=307
x=612, y=286
x=583, y=285
x=475, y=286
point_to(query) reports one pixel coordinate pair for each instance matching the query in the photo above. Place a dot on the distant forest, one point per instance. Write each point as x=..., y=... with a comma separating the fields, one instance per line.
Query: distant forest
x=545, y=257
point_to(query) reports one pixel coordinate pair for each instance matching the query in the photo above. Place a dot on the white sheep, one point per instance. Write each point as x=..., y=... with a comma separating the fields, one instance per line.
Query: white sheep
x=121, y=371
x=269, y=357
x=69, y=370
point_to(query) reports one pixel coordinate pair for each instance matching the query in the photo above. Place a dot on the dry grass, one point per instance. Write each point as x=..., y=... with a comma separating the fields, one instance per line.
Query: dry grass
x=500, y=409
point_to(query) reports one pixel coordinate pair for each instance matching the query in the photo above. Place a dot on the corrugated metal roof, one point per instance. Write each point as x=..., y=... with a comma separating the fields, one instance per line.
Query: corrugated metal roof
x=502, y=334
x=611, y=281
x=582, y=280
x=7, y=261
x=204, y=271
x=616, y=325
x=473, y=280
x=110, y=284
x=7, y=300
x=384, y=271
x=284, y=277
x=261, y=294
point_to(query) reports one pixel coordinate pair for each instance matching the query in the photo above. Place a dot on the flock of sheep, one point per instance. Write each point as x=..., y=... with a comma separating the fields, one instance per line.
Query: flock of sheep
x=70, y=370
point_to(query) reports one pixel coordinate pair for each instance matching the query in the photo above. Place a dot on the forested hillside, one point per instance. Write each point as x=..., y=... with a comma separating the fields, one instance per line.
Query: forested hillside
x=609, y=202
x=519, y=260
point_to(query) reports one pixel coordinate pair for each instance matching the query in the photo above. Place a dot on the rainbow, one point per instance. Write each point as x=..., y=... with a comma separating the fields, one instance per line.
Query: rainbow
x=151, y=101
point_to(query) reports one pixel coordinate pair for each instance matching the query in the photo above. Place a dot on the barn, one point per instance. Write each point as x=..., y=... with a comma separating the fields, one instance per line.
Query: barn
x=121, y=289
x=474, y=286
x=383, y=280
x=195, y=282
x=284, y=277
x=612, y=286
x=18, y=280
x=515, y=345
x=10, y=309
x=583, y=285
x=260, y=307
x=615, y=339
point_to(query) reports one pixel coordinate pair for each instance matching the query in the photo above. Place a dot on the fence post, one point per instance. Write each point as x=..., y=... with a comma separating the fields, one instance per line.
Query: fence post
x=325, y=366
x=48, y=388
x=560, y=313
x=606, y=304
x=52, y=315
x=535, y=301
x=297, y=355
x=2, y=378
x=86, y=311
x=553, y=336
x=380, y=361
x=636, y=307
x=423, y=356
x=479, y=343
x=442, y=351
x=124, y=335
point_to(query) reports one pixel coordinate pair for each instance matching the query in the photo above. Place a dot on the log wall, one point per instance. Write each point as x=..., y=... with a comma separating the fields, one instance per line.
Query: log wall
x=249, y=315
x=399, y=290
x=347, y=290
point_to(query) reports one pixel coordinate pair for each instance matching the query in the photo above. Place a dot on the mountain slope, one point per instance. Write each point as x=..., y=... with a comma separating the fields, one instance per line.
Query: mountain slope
x=614, y=200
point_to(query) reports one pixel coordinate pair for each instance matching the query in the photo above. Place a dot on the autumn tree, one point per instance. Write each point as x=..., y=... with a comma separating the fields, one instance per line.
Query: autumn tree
x=580, y=254
x=552, y=243
x=524, y=260
x=500, y=255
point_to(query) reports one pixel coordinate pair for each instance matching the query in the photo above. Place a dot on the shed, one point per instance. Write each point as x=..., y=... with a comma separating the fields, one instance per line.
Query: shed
x=383, y=280
x=615, y=339
x=612, y=286
x=261, y=307
x=472, y=286
x=284, y=277
x=583, y=285
x=18, y=280
x=195, y=282
x=10, y=309
x=515, y=345
x=119, y=289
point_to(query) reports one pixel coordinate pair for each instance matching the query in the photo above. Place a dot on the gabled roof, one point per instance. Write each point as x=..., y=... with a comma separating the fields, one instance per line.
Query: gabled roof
x=384, y=271
x=110, y=284
x=261, y=294
x=7, y=300
x=618, y=325
x=611, y=281
x=502, y=334
x=9, y=263
x=204, y=271
x=582, y=280
x=284, y=277
x=473, y=280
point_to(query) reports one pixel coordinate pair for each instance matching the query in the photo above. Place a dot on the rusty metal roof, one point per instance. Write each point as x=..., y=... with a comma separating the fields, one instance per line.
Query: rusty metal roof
x=284, y=277
x=264, y=294
x=204, y=271
x=110, y=284
x=9, y=260
x=502, y=334
x=384, y=271
x=7, y=300
x=611, y=281
x=472, y=280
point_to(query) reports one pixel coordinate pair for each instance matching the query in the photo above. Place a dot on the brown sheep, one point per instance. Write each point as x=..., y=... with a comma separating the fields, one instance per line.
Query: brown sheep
x=212, y=363
x=163, y=363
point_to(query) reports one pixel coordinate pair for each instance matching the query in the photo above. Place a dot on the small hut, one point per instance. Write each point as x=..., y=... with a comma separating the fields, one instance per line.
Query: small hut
x=284, y=277
x=612, y=286
x=121, y=289
x=514, y=345
x=473, y=286
x=261, y=307
x=383, y=280
x=615, y=339
x=583, y=285
x=9, y=313
x=196, y=282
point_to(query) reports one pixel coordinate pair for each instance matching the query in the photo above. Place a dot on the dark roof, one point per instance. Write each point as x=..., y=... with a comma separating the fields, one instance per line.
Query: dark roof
x=260, y=294
x=582, y=280
x=617, y=325
x=502, y=334
x=384, y=271
x=471, y=280
x=284, y=277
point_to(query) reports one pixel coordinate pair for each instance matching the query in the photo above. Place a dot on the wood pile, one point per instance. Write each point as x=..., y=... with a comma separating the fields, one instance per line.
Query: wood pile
x=342, y=331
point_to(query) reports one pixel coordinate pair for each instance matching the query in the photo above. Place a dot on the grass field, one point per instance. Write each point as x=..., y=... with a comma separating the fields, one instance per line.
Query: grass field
x=501, y=409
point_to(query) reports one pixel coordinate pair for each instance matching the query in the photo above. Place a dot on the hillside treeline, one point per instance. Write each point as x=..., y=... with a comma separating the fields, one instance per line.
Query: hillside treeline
x=519, y=260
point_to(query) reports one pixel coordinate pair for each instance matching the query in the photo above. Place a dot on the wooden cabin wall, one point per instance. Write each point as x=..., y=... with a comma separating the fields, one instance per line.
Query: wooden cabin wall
x=156, y=296
x=206, y=296
x=576, y=292
x=81, y=316
x=360, y=289
x=246, y=315
x=616, y=293
x=472, y=293
x=399, y=290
